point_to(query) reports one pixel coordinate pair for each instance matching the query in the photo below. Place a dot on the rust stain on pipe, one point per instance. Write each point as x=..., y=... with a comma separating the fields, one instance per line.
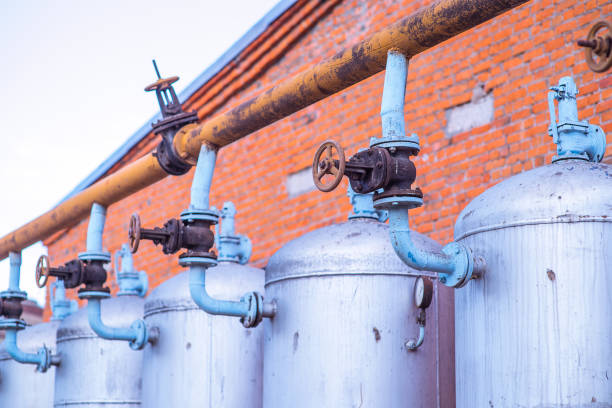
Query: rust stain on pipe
x=126, y=181
x=416, y=33
x=412, y=35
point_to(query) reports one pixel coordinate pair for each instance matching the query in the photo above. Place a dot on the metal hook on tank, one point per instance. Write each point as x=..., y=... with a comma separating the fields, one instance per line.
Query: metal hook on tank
x=423, y=295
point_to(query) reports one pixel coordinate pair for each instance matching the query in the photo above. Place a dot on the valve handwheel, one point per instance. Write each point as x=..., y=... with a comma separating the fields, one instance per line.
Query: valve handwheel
x=598, y=46
x=325, y=164
x=42, y=271
x=134, y=233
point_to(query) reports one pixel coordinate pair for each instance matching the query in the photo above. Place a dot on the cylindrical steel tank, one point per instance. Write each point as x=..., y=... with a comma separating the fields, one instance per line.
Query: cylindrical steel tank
x=20, y=384
x=536, y=330
x=201, y=360
x=345, y=310
x=95, y=372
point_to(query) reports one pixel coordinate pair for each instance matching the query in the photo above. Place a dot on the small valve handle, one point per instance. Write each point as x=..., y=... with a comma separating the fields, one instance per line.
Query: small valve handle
x=42, y=271
x=134, y=233
x=597, y=45
x=323, y=165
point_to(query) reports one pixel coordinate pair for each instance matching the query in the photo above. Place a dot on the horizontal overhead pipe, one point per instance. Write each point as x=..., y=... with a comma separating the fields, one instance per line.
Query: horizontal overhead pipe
x=420, y=31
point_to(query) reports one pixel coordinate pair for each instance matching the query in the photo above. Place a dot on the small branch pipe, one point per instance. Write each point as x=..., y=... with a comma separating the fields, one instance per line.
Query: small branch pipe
x=137, y=334
x=43, y=358
x=251, y=308
x=413, y=34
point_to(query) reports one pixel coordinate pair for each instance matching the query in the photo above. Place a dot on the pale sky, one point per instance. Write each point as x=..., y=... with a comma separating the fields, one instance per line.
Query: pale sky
x=73, y=74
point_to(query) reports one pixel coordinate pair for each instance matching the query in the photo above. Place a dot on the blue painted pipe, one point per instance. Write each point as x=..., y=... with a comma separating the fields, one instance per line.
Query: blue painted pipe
x=392, y=106
x=409, y=252
x=251, y=308
x=137, y=334
x=95, y=229
x=202, y=179
x=43, y=358
x=197, y=287
x=15, y=265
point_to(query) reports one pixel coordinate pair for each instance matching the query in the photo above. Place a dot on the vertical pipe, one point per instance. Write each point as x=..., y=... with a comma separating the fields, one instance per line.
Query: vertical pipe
x=15, y=265
x=96, y=228
x=202, y=179
x=394, y=91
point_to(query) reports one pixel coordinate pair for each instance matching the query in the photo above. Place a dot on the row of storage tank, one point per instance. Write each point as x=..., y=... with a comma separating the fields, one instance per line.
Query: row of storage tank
x=346, y=324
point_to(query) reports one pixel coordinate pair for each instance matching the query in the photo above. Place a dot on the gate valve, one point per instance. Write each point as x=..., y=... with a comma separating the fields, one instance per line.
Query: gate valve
x=598, y=48
x=74, y=273
x=369, y=170
x=194, y=235
x=173, y=119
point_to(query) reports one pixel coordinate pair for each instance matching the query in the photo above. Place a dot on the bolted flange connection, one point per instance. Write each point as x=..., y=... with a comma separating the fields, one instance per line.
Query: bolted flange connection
x=255, y=305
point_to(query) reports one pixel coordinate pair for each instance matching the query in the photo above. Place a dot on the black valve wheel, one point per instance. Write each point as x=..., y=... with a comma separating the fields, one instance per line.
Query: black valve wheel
x=598, y=48
x=134, y=233
x=42, y=271
x=325, y=164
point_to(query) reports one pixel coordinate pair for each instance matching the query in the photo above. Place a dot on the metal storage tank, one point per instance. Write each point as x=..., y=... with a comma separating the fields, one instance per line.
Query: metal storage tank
x=536, y=330
x=201, y=359
x=19, y=381
x=345, y=311
x=95, y=372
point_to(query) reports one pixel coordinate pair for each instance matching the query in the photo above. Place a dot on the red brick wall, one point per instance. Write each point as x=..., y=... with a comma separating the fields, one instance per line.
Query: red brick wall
x=517, y=56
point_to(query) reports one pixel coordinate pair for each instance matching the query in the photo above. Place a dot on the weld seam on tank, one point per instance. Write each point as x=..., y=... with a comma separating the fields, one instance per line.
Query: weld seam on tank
x=564, y=220
x=138, y=335
x=363, y=273
x=251, y=308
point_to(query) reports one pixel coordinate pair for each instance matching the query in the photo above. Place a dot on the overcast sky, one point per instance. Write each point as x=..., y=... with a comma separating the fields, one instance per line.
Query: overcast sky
x=73, y=75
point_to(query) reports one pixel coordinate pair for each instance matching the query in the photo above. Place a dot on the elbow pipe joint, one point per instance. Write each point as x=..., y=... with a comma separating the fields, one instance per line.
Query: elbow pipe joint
x=251, y=309
x=455, y=264
x=43, y=359
x=137, y=334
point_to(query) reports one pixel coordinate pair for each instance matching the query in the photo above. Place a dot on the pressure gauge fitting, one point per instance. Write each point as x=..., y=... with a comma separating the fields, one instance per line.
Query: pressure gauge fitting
x=423, y=292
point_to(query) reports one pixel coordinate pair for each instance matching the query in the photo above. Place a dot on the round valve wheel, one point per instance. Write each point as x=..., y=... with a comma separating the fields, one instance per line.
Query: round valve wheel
x=598, y=49
x=134, y=233
x=324, y=164
x=162, y=83
x=42, y=271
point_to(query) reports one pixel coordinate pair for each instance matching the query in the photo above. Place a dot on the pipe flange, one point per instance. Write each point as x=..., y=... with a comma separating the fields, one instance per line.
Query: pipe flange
x=93, y=294
x=254, y=316
x=89, y=256
x=464, y=265
x=409, y=202
x=13, y=294
x=142, y=335
x=12, y=324
x=44, y=355
x=204, y=215
x=205, y=261
x=402, y=142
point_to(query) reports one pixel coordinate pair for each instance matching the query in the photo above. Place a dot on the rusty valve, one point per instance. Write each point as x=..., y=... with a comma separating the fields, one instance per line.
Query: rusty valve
x=369, y=170
x=73, y=273
x=597, y=48
x=327, y=165
x=195, y=236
